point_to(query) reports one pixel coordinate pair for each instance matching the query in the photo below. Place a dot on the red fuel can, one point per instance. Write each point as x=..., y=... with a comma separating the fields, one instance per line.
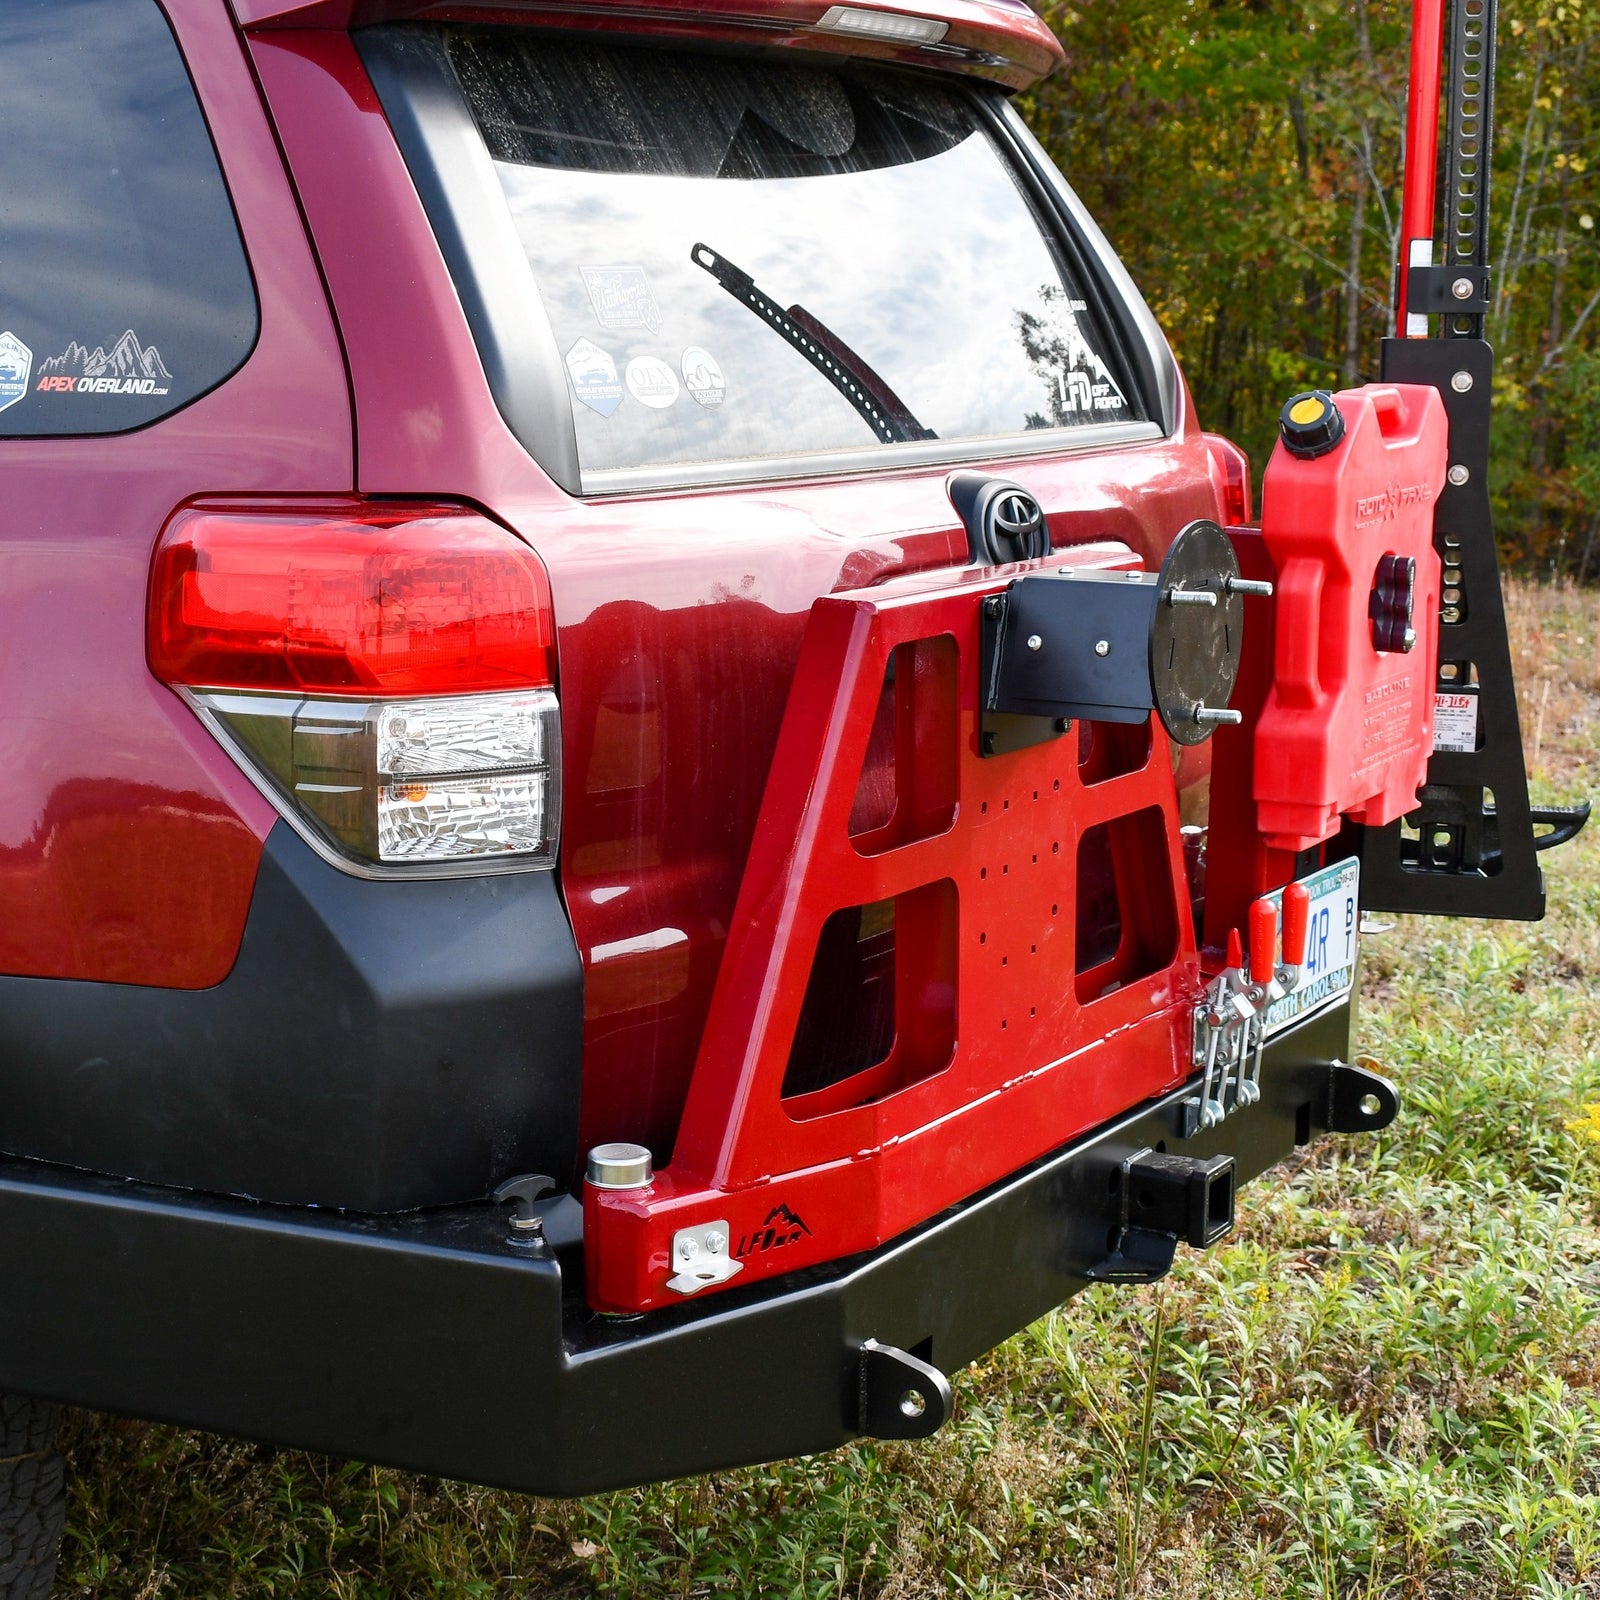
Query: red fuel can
x=1347, y=517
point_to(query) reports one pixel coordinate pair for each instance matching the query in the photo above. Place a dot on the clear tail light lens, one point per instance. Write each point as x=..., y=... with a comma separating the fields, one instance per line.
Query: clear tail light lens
x=384, y=673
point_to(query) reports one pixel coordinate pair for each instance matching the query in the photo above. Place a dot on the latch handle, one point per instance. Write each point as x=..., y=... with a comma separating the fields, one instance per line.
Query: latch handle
x=1296, y=923
x=1263, y=942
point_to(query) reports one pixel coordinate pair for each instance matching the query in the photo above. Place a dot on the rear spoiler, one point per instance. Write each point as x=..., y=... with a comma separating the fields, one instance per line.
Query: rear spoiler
x=1001, y=41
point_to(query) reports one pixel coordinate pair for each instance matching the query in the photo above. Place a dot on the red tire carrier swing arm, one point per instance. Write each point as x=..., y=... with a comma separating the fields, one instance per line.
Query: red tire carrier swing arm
x=994, y=1060
x=1019, y=1023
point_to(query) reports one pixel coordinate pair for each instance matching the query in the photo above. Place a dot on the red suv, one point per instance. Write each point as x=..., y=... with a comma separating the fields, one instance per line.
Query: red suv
x=586, y=586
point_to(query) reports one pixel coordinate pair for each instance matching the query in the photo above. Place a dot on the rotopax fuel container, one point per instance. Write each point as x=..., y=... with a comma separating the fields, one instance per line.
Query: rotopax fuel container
x=1347, y=517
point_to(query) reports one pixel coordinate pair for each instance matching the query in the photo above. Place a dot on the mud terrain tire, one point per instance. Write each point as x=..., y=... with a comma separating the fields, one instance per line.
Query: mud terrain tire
x=33, y=1497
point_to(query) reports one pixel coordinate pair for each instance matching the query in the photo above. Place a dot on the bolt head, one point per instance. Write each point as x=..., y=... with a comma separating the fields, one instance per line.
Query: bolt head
x=688, y=1249
x=716, y=1243
x=1462, y=288
x=1035, y=642
x=1458, y=475
x=1460, y=381
x=1102, y=647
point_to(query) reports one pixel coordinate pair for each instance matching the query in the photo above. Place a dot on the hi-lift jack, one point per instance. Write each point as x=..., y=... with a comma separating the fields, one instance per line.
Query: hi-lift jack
x=1470, y=847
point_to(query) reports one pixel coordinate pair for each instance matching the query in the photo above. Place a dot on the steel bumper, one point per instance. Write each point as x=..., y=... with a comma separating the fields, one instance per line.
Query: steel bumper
x=428, y=1342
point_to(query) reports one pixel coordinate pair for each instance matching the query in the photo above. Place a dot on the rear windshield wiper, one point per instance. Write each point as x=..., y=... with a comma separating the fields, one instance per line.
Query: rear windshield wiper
x=878, y=405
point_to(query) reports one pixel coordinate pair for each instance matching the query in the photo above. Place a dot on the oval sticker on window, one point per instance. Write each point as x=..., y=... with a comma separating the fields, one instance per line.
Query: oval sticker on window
x=652, y=382
x=702, y=377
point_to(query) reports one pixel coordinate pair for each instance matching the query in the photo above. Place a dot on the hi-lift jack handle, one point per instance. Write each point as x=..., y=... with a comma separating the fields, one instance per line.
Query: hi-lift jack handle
x=1470, y=847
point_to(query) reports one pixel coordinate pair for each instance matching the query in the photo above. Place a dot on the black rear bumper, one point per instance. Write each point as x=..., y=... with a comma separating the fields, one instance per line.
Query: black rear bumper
x=429, y=1342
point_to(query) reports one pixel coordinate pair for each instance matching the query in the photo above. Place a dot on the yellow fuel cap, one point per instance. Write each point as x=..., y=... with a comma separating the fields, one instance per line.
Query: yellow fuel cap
x=1311, y=424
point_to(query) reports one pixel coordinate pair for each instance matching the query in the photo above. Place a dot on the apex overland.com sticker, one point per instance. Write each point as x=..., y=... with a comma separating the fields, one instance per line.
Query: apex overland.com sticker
x=128, y=368
x=16, y=362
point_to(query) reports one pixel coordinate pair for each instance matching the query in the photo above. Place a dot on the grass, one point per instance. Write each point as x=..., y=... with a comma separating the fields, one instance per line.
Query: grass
x=1388, y=1385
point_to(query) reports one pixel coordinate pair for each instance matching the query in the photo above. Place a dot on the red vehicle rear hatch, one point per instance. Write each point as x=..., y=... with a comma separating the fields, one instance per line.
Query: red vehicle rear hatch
x=681, y=615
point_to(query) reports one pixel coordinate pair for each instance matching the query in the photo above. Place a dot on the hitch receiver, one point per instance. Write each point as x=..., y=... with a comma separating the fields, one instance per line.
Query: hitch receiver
x=1165, y=1198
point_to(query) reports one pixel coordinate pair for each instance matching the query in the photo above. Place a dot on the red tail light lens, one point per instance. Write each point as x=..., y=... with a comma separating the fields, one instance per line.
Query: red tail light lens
x=1230, y=472
x=347, y=599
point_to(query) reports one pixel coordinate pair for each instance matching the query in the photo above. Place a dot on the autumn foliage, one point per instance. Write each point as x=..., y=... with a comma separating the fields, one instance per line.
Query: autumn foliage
x=1245, y=157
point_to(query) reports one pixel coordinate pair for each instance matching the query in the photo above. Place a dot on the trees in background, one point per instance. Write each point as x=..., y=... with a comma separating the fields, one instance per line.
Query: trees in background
x=1245, y=158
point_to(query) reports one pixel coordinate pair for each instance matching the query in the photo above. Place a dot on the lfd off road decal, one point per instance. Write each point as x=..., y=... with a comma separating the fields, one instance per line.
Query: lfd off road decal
x=594, y=377
x=1081, y=385
x=782, y=1226
x=1085, y=381
x=622, y=298
x=16, y=361
x=127, y=368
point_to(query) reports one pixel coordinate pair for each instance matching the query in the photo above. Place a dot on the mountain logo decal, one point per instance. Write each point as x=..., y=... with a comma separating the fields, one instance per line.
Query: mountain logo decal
x=1079, y=383
x=129, y=367
x=781, y=1227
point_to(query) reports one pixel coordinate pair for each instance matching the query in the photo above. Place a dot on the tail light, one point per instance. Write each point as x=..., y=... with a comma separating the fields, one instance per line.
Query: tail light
x=1230, y=474
x=383, y=672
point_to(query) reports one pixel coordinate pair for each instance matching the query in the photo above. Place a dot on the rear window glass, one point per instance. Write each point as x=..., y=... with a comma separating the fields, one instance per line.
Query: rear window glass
x=743, y=259
x=124, y=291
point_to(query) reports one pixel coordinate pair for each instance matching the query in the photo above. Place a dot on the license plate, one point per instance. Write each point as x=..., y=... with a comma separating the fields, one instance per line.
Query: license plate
x=1328, y=972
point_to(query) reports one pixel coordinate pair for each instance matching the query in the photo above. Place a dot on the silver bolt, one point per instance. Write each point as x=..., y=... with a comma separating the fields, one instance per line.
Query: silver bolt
x=1214, y=716
x=716, y=1243
x=1462, y=288
x=1460, y=381
x=1247, y=586
x=1035, y=642
x=1458, y=475
x=1191, y=597
x=1408, y=641
x=1102, y=647
x=688, y=1249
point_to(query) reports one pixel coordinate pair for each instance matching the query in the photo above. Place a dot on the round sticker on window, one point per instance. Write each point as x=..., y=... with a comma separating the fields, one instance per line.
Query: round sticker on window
x=702, y=377
x=652, y=382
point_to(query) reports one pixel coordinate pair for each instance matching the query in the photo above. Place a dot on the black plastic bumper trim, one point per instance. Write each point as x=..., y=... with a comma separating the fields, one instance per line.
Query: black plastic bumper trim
x=429, y=1343
x=378, y=1046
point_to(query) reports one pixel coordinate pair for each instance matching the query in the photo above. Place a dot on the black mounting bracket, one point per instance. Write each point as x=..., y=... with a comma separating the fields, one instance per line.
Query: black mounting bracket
x=1448, y=291
x=1113, y=646
x=1359, y=1100
x=898, y=1395
x=1469, y=849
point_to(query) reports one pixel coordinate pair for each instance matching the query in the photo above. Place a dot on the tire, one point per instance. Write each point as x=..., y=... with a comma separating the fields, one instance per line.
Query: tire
x=33, y=1497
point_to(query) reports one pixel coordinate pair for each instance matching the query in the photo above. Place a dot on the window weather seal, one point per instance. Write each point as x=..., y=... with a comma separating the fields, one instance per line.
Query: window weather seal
x=456, y=182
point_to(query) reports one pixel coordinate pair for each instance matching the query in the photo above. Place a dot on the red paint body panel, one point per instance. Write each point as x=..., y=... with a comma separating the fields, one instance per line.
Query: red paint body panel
x=128, y=840
x=679, y=617
x=1347, y=730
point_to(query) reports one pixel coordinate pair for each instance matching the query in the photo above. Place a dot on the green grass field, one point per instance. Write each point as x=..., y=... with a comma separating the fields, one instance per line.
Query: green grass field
x=1388, y=1384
